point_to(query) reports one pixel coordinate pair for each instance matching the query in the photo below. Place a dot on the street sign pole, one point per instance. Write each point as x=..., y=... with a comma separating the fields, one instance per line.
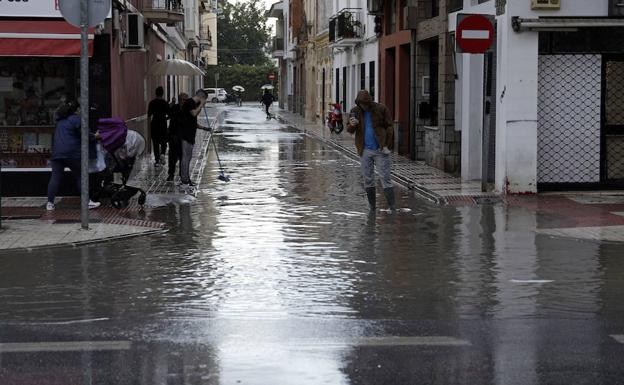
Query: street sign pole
x=84, y=114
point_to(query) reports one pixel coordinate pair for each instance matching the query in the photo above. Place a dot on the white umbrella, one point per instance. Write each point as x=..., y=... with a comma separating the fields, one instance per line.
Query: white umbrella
x=239, y=88
x=267, y=87
x=175, y=67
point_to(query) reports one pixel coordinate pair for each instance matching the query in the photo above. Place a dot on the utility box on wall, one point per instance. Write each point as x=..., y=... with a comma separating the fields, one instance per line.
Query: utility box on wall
x=616, y=7
x=546, y=5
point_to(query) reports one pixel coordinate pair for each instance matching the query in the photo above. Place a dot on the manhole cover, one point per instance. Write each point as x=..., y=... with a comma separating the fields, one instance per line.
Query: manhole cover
x=487, y=200
x=68, y=221
x=16, y=217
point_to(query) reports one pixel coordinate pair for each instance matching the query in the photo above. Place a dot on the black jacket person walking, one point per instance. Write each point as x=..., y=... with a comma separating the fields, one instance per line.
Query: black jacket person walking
x=267, y=100
x=157, y=113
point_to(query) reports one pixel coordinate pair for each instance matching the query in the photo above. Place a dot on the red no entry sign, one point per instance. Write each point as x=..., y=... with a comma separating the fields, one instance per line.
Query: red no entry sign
x=474, y=33
x=271, y=76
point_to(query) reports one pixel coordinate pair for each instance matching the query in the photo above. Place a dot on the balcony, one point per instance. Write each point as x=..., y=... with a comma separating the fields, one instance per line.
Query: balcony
x=277, y=47
x=163, y=11
x=205, y=36
x=345, y=28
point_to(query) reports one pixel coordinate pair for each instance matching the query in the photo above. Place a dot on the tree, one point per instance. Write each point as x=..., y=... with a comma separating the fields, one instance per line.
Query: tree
x=250, y=77
x=243, y=34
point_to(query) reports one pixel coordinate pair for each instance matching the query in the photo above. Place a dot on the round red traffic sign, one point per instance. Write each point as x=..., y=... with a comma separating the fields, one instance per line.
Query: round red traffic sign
x=474, y=34
x=271, y=76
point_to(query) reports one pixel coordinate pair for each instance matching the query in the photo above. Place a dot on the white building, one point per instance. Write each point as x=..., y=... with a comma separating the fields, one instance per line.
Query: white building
x=555, y=92
x=355, y=51
x=280, y=50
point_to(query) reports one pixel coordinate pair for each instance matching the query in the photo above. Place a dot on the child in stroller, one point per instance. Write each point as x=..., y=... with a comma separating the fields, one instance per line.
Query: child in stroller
x=122, y=147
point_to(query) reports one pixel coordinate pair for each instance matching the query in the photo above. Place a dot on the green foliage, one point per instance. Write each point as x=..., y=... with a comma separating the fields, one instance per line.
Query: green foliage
x=250, y=77
x=242, y=34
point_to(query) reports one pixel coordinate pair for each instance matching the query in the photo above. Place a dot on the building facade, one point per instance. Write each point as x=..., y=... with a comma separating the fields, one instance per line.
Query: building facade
x=354, y=45
x=549, y=93
x=39, y=68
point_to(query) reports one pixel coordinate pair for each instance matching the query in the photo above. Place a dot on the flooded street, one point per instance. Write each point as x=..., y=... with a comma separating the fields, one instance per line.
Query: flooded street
x=283, y=277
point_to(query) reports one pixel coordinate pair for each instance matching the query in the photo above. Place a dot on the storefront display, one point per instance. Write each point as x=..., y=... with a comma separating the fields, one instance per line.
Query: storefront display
x=31, y=89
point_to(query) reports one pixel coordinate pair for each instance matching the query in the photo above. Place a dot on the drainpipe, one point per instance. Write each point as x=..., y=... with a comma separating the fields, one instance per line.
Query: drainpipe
x=413, y=85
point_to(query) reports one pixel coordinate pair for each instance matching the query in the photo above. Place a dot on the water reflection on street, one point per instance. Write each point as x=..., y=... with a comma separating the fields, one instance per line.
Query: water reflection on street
x=282, y=277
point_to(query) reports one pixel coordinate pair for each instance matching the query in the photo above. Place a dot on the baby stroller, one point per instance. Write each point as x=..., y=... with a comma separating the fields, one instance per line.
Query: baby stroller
x=122, y=146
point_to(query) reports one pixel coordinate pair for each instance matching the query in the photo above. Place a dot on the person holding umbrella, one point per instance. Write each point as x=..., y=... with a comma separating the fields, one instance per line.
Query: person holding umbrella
x=267, y=100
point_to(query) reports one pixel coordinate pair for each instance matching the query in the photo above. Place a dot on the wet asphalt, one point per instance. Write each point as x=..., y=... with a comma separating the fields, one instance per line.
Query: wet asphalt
x=283, y=277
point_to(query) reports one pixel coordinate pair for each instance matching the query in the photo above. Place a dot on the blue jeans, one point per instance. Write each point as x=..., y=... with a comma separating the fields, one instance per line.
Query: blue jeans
x=58, y=166
x=375, y=158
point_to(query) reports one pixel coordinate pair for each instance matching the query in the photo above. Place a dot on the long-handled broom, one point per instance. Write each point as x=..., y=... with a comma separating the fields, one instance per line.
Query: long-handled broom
x=222, y=176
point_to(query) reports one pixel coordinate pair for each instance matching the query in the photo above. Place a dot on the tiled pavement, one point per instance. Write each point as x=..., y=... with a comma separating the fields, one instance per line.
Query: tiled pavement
x=23, y=217
x=428, y=181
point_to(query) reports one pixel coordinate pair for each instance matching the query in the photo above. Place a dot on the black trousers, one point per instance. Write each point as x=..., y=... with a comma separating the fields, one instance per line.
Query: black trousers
x=175, y=153
x=159, y=146
x=266, y=106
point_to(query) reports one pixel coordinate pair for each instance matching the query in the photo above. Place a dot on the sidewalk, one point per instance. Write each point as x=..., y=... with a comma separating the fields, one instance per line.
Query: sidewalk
x=27, y=225
x=427, y=181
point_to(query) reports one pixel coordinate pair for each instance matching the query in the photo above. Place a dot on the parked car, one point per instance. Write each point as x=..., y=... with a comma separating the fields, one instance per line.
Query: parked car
x=216, y=95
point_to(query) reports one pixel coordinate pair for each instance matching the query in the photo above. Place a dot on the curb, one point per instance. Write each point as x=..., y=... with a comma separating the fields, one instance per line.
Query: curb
x=84, y=243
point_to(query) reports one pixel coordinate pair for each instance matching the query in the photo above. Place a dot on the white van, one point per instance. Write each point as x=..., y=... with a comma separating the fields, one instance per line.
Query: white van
x=216, y=95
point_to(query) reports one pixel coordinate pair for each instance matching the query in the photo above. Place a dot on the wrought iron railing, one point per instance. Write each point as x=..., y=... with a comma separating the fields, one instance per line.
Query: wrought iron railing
x=164, y=5
x=346, y=24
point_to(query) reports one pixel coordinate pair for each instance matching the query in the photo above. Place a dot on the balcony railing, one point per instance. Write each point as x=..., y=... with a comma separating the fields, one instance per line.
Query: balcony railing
x=345, y=28
x=163, y=11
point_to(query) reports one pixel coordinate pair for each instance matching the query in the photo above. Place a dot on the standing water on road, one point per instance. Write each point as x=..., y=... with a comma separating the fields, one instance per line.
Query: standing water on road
x=283, y=277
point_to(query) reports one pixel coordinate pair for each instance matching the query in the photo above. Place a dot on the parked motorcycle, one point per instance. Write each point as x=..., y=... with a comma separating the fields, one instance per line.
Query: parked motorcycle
x=334, y=118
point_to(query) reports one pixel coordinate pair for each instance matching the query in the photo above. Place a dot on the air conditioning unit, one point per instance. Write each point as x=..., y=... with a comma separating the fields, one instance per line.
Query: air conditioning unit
x=133, y=32
x=546, y=4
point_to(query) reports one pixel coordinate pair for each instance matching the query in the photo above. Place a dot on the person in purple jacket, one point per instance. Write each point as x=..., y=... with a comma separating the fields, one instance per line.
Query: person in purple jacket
x=65, y=150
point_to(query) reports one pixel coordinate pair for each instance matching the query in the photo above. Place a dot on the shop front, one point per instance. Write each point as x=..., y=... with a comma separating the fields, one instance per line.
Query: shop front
x=39, y=69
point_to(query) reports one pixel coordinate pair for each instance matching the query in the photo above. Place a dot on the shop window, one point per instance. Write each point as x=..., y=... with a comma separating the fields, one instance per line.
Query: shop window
x=31, y=89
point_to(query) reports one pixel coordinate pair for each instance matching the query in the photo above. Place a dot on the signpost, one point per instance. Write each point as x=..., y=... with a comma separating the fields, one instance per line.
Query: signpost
x=84, y=14
x=474, y=33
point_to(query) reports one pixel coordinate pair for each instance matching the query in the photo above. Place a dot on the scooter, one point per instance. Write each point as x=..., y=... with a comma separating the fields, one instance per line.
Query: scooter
x=334, y=118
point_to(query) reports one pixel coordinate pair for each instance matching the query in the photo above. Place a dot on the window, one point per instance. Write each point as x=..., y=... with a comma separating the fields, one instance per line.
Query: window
x=363, y=76
x=337, y=94
x=435, y=10
x=344, y=88
x=433, y=79
x=371, y=79
x=31, y=89
x=391, y=16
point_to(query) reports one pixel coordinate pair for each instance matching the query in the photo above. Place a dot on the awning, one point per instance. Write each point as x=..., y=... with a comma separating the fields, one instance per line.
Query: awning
x=41, y=38
x=554, y=23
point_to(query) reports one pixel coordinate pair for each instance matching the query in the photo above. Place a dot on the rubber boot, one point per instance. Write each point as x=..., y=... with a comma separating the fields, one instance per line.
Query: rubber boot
x=389, y=193
x=370, y=194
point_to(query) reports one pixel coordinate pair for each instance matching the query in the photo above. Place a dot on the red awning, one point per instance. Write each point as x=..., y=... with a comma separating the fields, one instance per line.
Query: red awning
x=41, y=38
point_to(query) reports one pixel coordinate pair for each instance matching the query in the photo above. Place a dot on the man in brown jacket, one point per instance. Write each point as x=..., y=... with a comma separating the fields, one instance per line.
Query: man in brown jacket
x=374, y=138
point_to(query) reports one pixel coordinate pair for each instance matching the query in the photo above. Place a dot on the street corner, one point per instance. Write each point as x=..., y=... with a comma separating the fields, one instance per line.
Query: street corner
x=27, y=225
x=586, y=216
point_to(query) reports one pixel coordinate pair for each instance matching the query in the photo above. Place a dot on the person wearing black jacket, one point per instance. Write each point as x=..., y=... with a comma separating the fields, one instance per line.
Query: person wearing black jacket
x=267, y=100
x=175, y=143
x=157, y=113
